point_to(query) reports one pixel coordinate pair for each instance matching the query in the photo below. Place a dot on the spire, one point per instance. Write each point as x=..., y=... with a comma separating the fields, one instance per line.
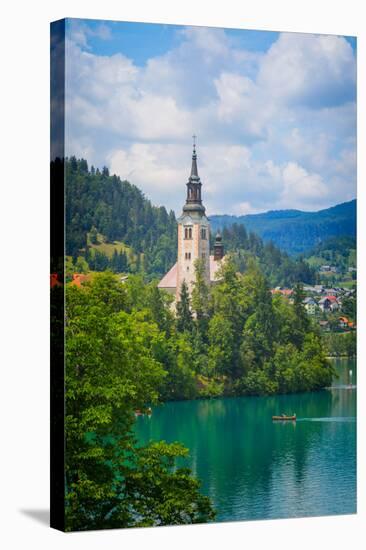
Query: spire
x=194, y=199
x=194, y=171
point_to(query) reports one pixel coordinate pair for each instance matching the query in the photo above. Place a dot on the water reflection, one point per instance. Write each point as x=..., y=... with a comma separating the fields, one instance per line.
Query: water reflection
x=254, y=468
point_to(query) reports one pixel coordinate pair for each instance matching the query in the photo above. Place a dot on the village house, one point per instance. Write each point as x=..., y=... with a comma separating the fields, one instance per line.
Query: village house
x=332, y=292
x=328, y=269
x=79, y=278
x=328, y=303
x=345, y=323
x=310, y=305
x=286, y=292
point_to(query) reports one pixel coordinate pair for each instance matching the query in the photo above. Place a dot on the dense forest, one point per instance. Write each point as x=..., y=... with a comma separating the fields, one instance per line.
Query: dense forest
x=294, y=231
x=126, y=350
x=279, y=268
x=110, y=224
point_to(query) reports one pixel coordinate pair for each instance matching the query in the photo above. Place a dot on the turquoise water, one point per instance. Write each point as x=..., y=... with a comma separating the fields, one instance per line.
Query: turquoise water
x=254, y=468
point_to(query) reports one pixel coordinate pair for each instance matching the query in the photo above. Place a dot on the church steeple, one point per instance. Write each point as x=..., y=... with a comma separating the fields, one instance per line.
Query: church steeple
x=194, y=187
x=193, y=233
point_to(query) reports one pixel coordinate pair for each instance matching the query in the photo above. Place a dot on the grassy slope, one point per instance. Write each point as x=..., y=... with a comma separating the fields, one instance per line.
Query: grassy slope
x=109, y=248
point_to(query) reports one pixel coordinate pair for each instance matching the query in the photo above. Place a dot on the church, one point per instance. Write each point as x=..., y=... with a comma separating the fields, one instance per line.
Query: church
x=193, y=240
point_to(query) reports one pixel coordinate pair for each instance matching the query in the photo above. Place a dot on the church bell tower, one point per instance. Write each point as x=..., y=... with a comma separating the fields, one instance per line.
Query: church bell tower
x=193, y=232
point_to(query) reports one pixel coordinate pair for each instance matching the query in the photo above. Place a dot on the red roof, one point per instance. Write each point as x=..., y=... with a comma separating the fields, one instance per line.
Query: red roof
x=331, y=298
x=78, y=278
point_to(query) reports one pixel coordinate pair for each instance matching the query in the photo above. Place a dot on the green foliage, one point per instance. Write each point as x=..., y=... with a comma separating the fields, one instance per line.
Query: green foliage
x=200, y=297
x=221, y=355
x=260, y=344
x=349, y=307
x=340, y=344
x=93, y=235
x=166, y=496
x=112, y=369
x=276, y=265
x=100, y=204
x=184, y=314
x=339, y=251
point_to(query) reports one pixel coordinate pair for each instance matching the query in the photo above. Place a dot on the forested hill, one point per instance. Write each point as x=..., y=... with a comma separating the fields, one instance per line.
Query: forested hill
x=119, y=212
x=110, y=224
x=293, y=230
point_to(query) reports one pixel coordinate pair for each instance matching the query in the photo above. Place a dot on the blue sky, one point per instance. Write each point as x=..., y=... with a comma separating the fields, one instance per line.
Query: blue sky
x=274, y=113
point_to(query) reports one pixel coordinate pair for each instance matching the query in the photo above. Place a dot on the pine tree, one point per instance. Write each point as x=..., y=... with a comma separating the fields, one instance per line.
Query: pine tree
x=115, y=261
x=184, y=315
x=200, y=298
x=94, y=235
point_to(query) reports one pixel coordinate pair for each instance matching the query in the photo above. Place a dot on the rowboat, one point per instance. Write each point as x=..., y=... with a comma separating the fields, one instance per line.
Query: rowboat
x=284, y=417
x=142, y=412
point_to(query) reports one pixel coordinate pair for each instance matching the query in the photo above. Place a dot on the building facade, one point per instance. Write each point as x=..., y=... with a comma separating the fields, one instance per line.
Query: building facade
x=193, y=240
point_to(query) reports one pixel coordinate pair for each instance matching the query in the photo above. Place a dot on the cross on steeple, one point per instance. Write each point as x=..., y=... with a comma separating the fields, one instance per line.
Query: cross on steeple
x=194, y=142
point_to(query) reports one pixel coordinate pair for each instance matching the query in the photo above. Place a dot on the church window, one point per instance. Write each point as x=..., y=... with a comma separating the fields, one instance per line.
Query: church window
x=203, y=233
x=188, y=255
x=203, y=255
x=188, y=232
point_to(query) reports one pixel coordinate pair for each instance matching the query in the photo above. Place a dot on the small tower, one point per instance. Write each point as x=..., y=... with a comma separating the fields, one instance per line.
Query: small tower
x=218, y=248
x=193, y=231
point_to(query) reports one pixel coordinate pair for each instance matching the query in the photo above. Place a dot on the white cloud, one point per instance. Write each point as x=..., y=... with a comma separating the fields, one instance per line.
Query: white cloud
x=300, y=188
x=244, y=208
x=79, y=32
x=275, y=130
x=315, y=70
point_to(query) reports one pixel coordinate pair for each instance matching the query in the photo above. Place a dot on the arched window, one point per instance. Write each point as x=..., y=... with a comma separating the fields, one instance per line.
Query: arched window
x=203, y=233
x=188, y=232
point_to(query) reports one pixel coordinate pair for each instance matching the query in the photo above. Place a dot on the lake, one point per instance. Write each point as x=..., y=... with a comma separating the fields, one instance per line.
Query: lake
x=253, y=468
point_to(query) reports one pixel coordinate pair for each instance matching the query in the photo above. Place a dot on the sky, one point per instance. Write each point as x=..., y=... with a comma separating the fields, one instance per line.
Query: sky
x=274, y=113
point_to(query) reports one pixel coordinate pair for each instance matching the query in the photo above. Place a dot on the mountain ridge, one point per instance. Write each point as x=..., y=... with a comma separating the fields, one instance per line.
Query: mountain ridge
x=296, y=231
